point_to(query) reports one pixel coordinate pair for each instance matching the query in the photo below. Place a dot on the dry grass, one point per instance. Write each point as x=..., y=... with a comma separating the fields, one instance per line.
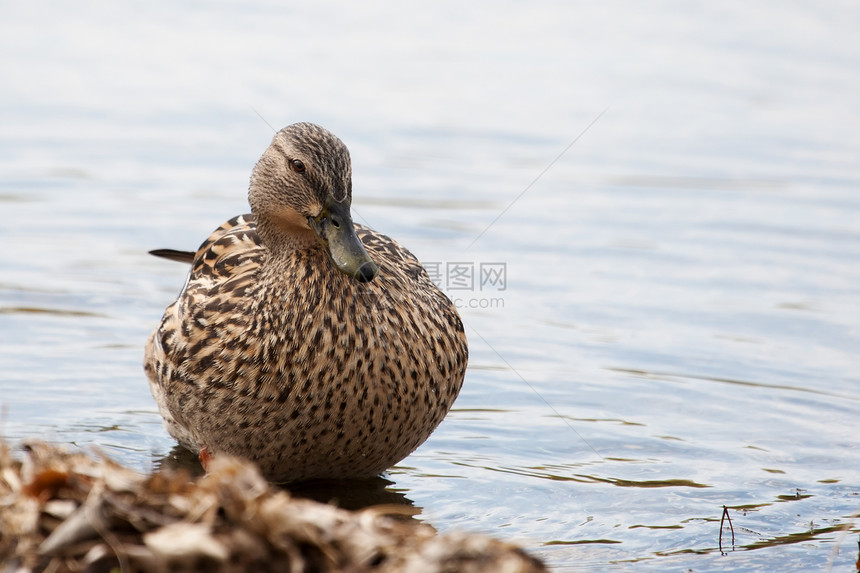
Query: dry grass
x=62, y=511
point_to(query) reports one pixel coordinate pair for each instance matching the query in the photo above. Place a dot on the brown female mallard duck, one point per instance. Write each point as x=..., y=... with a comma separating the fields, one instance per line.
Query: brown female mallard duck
x=315, y=347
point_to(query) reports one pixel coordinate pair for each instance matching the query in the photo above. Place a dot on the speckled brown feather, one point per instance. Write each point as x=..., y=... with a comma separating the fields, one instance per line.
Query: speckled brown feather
x=289, y=362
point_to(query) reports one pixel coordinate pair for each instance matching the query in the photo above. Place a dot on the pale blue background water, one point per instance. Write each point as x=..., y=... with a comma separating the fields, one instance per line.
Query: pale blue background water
x=683, y=285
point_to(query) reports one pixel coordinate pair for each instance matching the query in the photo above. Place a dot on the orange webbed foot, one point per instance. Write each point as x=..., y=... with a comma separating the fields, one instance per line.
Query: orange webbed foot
x=205, y=457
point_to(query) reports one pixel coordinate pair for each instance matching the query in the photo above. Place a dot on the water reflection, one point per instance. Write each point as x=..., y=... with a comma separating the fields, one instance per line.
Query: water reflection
x=347, y=494
x=49, y=311
x=357, y=494
x=555, y=475
x=668, y=376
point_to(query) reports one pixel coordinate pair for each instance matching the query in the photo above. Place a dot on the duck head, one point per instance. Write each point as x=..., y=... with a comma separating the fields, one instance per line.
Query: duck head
x=301, y=190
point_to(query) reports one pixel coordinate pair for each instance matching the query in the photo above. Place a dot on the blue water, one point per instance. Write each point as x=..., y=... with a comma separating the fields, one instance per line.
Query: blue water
x=679, y=321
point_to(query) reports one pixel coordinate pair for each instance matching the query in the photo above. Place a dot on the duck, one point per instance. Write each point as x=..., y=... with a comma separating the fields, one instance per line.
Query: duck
x=313, y=346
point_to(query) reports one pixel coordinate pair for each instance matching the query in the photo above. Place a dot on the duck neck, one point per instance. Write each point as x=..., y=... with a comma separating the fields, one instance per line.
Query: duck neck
x=286, y=247
x=283, y=239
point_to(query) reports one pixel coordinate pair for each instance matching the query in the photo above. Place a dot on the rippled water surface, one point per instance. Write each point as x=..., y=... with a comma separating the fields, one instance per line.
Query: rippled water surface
x=677, y=328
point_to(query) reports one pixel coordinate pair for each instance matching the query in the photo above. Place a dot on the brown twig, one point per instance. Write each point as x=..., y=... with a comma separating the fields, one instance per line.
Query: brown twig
x=728, y=517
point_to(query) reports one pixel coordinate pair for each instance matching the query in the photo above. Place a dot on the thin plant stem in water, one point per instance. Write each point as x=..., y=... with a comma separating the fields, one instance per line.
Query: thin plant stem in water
x=725, y=517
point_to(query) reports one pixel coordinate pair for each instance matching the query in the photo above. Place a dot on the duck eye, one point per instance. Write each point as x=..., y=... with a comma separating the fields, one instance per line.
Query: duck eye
x=297, y=166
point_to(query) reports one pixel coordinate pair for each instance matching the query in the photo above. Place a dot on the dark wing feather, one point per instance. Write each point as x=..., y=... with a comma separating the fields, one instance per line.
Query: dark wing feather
x=174, y=255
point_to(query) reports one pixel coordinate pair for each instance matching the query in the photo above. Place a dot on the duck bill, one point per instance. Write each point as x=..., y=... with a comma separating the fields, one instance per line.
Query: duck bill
x=337, y=233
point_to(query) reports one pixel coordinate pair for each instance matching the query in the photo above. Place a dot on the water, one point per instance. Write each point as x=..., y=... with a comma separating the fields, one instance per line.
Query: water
x=680, y=319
